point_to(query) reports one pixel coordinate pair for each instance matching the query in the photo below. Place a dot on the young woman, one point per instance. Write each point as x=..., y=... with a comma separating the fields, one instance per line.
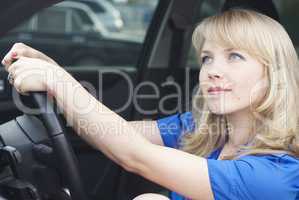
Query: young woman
x=240, y=142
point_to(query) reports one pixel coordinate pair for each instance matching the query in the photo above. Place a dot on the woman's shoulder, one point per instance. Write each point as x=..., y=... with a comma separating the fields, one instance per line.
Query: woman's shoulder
x=280, y=166
x=282, y=169
x=279, y=158
x=267, y=176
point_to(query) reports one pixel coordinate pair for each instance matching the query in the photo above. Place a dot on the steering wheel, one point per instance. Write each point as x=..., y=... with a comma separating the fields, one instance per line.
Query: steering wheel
x=65, y=155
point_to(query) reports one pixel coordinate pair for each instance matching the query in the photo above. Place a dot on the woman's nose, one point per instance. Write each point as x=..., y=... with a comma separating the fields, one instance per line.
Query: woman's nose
x=214, y=75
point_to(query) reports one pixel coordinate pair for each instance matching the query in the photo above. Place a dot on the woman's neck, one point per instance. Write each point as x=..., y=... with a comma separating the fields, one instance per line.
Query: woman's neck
x=240, y=128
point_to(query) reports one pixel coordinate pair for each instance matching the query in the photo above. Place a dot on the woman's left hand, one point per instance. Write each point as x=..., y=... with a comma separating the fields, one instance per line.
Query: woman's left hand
x=32, y=74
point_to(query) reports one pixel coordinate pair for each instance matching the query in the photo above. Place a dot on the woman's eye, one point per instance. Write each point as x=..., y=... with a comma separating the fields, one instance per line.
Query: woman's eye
x=235, y=56
x=206, y=59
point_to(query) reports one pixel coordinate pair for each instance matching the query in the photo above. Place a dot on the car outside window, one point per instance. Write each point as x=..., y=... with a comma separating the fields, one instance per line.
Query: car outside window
x=80, y=21
x=25, y=27
x=76, y=35
x=52, y=21
x=97, y=8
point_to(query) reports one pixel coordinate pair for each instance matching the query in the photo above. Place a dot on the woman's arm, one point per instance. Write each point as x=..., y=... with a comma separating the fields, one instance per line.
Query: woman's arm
x=120, y=141
x=105, y=130
x=149, y=130
x=94, y=122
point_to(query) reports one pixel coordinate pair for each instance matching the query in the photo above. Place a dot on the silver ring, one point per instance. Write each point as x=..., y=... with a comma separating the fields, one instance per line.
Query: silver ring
x=10, y=78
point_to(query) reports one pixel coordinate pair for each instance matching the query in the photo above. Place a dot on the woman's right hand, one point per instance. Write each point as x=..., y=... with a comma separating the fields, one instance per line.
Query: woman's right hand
x=22, y=50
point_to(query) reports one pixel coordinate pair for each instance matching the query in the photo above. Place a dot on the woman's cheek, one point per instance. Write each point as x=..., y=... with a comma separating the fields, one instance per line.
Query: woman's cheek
x=203, y=83
x=258, y=91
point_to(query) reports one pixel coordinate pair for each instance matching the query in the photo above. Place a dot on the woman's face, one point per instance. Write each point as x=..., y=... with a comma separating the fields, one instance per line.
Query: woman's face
x=230, y=79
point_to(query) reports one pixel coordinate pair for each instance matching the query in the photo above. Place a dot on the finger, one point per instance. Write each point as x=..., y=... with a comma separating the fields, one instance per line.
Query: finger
x=17, y=50
x=20, y=62
x=14, y=70
x=24, y=64
x=11, y=53
x=10, y=59
x=12, y=67
x=18, y=83
x=11, y=74
x=10, y=78
x=6, y=62
x=23, y=77
x=22, y=72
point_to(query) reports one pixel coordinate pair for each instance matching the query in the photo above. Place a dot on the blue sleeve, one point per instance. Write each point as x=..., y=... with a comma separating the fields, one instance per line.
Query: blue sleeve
x=253, y=178
x=172, y=127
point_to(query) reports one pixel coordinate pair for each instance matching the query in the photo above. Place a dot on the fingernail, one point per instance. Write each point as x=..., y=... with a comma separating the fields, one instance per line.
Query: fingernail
x=14, y=54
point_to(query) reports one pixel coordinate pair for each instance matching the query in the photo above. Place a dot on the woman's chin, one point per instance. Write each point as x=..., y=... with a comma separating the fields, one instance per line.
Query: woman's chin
x=220, y=111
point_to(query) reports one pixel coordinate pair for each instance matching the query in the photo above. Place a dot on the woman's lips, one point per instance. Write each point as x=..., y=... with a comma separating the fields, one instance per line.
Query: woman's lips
x=218, y=90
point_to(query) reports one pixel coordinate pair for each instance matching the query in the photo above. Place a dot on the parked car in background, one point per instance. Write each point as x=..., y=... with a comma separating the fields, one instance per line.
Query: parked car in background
x=106, y=12
x=72, y=34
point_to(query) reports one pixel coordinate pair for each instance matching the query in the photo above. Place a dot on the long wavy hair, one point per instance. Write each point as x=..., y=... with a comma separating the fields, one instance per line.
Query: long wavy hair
x=276, y=115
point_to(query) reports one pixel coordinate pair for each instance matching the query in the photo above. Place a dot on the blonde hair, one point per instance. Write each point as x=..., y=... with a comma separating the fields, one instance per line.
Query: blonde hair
x=277, y=114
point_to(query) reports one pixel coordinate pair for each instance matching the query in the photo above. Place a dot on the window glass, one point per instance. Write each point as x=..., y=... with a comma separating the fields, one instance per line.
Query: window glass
x=92, y=32
x=80, y=21
x=26, y=26
x=208, y=8
x=51, y=21
x=96, y=7
x=288, y=13
x=82, y=16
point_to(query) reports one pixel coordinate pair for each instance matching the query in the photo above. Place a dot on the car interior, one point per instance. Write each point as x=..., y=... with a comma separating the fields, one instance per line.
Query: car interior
x=41, y=157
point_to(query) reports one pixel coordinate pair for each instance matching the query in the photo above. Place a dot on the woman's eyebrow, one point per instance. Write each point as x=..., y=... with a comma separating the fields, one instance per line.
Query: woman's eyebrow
x=206, y=52
x=210, y=52
x=229, y=49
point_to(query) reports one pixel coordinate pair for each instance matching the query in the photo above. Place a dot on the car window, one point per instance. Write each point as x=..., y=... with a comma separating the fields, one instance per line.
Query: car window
x=52, y=21
x=207, y=8
x=82, y=17
x=96, y=7
x=77, y=33
x=288, y=14
x=80, y=21
x=26, y=26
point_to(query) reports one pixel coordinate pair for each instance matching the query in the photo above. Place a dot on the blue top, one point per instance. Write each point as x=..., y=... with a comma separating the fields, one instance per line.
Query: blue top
x=252, y=177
